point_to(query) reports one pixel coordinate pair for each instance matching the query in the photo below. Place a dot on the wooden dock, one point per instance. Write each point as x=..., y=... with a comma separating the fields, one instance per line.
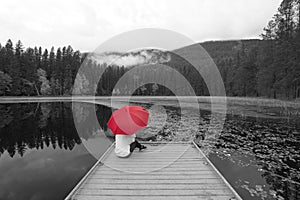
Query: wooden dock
x=162, y=171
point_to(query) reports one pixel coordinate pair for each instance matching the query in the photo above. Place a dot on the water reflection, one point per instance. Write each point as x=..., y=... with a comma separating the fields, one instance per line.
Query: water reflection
x=36, y=125
x=259, y=156
x=42, y=156
x=87, y=125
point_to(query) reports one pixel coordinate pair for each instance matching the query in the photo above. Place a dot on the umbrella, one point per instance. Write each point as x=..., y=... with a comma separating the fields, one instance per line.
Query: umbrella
x=128, y=120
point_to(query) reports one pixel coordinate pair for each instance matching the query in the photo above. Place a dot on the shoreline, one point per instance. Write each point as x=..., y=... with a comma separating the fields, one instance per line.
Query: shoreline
x=243, y=106
x=203, y=98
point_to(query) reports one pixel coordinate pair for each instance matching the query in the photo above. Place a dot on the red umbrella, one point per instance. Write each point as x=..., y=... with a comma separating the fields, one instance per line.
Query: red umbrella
x=128, y=120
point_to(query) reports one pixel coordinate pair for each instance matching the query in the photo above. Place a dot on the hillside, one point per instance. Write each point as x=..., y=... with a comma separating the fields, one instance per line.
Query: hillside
x=227, y=49
x=243, y=65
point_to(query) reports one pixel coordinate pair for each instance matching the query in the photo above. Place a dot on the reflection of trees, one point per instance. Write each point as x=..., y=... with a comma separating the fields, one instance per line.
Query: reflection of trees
x=87, y=123
x=33, y=126
x=103, y=114
x=45, y=112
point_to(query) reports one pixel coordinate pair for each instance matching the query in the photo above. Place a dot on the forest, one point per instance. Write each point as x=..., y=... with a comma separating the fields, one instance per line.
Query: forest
x=269, y=67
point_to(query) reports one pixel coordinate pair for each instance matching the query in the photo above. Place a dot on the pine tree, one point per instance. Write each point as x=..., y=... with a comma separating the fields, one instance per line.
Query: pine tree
x=68, y=70
x=282, y=29
x=19, y=49
x=51, y=73
x=45, y=63
x=55, y=82
x=29, y=72
x=12, y=67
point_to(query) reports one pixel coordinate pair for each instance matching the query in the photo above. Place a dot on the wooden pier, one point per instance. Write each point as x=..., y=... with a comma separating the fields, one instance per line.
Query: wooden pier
x=162, y=171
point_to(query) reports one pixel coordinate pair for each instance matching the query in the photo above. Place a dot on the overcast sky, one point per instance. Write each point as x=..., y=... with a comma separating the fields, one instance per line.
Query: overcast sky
x=84, y=24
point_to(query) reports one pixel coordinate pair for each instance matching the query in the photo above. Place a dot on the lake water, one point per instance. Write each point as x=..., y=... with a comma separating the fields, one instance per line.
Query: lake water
x=45, y=148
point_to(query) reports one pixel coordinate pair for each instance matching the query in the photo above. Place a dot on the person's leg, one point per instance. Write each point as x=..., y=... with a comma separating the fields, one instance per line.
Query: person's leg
x=139, y=145
x=132, y=146
x=136, y=144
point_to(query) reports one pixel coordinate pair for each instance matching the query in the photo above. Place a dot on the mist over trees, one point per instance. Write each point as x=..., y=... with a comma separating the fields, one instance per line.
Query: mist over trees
x=255, y=68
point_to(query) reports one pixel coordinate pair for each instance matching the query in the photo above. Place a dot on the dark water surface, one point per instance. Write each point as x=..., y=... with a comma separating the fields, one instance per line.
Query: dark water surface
x=43, y=155
x=260, y=156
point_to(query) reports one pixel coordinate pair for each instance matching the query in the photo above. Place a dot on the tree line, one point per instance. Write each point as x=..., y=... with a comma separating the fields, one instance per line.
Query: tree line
x=270, y=67
x=34, y=71
x=259, y=68
x=281, y=61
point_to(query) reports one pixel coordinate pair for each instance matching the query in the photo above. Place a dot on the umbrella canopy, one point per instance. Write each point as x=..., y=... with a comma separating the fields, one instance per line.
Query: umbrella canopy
x=128, y=120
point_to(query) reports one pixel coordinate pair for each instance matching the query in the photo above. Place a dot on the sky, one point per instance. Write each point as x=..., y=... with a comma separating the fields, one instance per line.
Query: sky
x=85, y=24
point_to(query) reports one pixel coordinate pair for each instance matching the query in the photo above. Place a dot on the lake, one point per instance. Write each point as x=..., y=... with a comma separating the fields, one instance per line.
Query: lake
x=45, y=148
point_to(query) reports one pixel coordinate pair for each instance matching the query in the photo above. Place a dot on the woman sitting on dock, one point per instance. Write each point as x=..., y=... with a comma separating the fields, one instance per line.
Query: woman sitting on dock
x=125, y=145
x=125, y=123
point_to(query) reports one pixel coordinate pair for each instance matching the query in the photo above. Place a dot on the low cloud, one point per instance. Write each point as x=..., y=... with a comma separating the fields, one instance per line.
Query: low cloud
x=146, y=56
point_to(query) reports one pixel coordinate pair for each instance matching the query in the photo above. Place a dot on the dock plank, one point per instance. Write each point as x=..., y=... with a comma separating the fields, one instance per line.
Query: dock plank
x=162, y=171
x=149, y=182
x=205, y=192
x=154, y=187
x=85, y=197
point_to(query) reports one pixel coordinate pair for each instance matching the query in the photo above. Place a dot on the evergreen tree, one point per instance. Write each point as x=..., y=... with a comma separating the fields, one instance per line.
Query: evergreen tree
x=19, y=49
x=45, y=61
x=283, y=30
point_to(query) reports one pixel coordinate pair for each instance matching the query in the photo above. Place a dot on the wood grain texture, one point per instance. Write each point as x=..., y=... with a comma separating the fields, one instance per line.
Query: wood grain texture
x=162, y=171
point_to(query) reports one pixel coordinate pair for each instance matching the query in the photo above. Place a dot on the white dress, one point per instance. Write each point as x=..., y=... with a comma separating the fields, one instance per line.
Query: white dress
x=123, y=142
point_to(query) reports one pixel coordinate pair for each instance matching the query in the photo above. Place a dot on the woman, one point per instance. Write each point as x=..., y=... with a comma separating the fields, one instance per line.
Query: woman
x=125, y=145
